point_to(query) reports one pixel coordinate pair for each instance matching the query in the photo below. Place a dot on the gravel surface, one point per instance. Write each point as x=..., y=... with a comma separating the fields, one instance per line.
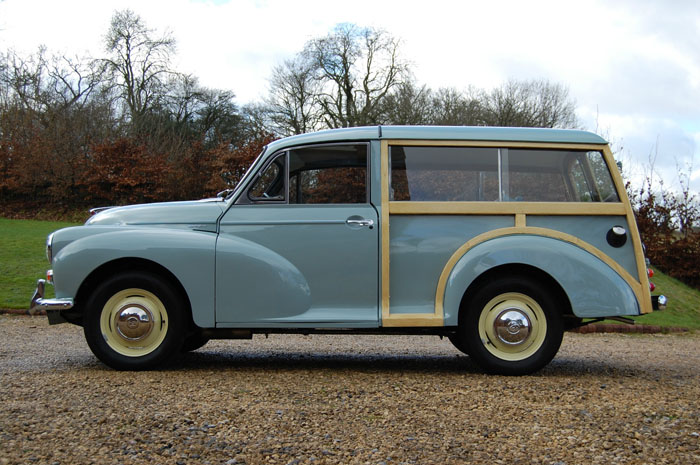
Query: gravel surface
x=606, y=398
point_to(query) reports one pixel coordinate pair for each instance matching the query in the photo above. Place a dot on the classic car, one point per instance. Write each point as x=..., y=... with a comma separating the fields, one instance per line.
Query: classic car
x=498, y=238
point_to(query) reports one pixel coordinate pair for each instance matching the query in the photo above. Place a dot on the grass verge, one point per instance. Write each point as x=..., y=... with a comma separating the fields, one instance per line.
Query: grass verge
x=683, y=307
x=23, y=259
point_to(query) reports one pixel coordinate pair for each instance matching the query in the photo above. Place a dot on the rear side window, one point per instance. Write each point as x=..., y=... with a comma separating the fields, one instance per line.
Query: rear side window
x=437, y=174
x=440, y=174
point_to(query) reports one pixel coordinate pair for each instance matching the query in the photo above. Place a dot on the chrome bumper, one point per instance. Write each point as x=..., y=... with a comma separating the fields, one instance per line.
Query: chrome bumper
x=53, y=307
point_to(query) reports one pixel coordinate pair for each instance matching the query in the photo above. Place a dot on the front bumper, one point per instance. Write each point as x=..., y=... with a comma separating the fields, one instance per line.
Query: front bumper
x=53, y=307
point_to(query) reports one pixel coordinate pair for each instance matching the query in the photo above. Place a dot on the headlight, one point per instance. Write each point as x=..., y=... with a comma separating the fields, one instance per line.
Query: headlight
x=49, y=246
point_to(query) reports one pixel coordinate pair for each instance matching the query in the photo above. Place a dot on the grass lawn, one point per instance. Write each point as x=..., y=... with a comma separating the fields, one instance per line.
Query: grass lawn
x=683, y=308
x=23, y=261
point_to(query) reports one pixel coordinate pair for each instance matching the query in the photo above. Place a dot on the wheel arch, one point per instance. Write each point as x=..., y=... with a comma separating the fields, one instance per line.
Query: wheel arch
x=121, y=265
x=591, y=288
x=518, y=269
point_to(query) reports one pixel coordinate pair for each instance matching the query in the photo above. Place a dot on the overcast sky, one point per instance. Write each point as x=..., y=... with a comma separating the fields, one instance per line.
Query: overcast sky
x=633, y=67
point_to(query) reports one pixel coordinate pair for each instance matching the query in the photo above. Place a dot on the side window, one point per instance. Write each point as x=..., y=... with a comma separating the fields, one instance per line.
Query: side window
x=601, y=177
x=580, y=183
x=531, y=175
x=443, y=174
x=328, y=174
x=440, y=174
x=270, y=185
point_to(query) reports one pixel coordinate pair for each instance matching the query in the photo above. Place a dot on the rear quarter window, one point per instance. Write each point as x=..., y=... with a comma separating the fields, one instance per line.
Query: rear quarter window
x=442, y=174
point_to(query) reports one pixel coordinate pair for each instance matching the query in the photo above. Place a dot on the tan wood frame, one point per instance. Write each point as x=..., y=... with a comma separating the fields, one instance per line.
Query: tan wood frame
x=519, y=211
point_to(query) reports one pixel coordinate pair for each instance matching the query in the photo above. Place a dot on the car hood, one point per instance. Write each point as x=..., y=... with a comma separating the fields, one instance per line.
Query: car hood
x=196, y=212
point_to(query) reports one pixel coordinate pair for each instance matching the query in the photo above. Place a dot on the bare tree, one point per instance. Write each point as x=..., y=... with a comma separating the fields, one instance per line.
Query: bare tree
x=536, y=103
x=24, y=80
x=256, y=124
x=408, y=104
x=53, y=108
x=51, y=89
x=198, y=112
x=356, y=68
x=139, y=62
x=292, y=106
x=685, y=203
x=450, y=107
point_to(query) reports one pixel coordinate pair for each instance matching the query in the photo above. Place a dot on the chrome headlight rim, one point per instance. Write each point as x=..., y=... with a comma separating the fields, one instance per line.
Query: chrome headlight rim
x=49, y=248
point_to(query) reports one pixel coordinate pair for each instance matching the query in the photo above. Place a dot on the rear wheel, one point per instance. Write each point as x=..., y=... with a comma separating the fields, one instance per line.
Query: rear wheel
x=134, y=321
x=456, y=340
x=512, y=326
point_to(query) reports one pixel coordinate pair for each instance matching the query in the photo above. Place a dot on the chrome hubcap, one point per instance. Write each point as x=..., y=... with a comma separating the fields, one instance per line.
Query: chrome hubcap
x=512, y=326
x=133, y=322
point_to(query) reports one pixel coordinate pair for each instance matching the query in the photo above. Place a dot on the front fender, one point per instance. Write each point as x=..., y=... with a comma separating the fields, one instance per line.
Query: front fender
x=592, y=286
x=188, y=255
x=255, y=283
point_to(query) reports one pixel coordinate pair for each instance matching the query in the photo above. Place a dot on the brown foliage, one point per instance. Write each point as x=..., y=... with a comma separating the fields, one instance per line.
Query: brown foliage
x=229, y=164
x=122, y=172
x=335, y=185
x=659, y=217
x=682, y=259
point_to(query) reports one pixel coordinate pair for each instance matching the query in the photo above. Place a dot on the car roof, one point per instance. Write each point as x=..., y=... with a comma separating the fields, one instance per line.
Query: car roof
x=480, y=133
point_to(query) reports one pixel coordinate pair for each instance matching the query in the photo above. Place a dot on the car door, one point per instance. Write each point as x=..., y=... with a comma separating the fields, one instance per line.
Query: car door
x=300, y=247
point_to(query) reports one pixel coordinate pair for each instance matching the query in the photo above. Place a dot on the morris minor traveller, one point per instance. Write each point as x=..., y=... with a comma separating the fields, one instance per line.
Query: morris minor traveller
x=498, y=238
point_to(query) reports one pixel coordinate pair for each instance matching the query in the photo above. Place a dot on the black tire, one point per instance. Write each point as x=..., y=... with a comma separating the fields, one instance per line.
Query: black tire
x=456, y=340
x=494, y=326
x=193, y=342
x=135, y=321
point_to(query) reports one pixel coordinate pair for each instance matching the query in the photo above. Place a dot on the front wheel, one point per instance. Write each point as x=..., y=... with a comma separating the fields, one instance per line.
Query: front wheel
x=512, y=326
x=134, y=321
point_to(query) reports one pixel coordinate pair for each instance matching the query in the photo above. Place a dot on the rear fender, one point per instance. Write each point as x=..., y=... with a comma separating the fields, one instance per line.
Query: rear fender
x=593, y=288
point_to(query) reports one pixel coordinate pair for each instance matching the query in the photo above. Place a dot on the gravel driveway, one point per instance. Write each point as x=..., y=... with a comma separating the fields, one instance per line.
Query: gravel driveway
x=606, y=398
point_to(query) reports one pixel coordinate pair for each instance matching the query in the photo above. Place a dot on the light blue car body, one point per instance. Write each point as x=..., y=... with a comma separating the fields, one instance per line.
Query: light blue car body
x=303, y=266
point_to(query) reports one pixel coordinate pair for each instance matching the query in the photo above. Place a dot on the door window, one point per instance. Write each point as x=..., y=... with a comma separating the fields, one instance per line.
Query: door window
x=326, y=174
x=333, y=174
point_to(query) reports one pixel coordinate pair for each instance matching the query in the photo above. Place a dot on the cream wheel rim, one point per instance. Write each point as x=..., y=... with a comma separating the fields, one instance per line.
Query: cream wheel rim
x=134, y=322
x=512, y=326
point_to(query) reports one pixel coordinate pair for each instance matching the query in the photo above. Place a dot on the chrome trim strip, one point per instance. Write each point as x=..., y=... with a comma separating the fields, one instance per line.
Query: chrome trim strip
x=169, y=223
x=280, y=222
x=96, y=210
x=49, y=248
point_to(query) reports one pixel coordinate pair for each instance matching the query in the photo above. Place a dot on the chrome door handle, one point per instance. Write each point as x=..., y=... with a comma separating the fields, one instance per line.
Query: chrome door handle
x=360, y=222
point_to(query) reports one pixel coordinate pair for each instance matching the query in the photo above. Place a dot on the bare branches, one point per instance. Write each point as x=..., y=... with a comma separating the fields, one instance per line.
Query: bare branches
x=139, y=64
x=72, y=117
x=537, y=103
x=357, y=68
x=292, y=105
x=340, y=80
